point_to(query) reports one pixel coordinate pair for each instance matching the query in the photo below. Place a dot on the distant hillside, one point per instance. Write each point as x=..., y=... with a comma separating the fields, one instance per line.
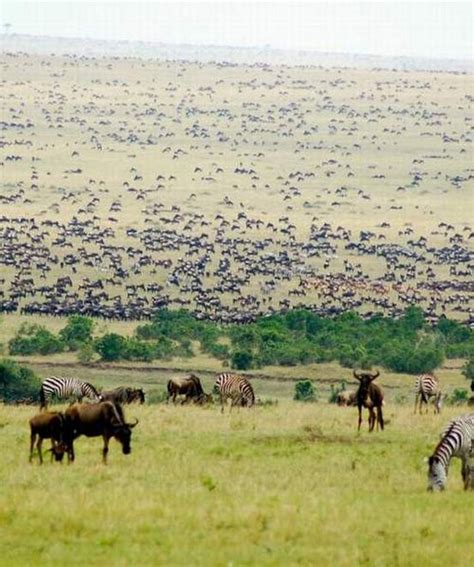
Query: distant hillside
x=206, y=53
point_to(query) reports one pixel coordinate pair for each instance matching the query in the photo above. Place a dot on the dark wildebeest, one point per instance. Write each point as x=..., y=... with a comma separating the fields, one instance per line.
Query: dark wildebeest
x=190, y=387
x=122, y=395
x=48, y=425
x=370, y=396
x=104, y=419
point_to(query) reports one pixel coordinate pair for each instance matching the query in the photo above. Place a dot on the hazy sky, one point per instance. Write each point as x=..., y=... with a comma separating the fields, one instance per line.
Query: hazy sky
x=428, y=29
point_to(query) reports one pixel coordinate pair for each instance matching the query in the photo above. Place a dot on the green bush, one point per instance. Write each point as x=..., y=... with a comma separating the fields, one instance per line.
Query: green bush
x=468, y=368
x=77, y=331
x=458, y=397
x=35, y=339
x=17, y=382
x=241, y=360
x=304, y=391
x=111, y=346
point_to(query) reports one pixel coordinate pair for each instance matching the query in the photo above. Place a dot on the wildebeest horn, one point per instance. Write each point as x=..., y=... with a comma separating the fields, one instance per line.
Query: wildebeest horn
x=374, y=376
x=356, y=375
x=132, y=425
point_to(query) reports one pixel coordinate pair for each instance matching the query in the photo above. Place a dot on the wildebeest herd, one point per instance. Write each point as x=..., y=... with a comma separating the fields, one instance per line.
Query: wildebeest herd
x=104, y=416
x=232, y=190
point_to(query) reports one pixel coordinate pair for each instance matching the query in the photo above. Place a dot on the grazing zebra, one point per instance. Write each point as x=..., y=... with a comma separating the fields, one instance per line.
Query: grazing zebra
x=457, y=440
x=426, y=387
x=64, y=388
x=235, y=387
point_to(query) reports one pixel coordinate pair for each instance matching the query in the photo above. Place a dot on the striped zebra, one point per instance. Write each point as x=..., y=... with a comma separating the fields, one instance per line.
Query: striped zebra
x=235, y=387
x=64, y=388
x=426, y=387
x=457, y=440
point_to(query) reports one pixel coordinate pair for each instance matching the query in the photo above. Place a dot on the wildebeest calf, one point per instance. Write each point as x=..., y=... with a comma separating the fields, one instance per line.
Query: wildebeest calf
x=48, y=425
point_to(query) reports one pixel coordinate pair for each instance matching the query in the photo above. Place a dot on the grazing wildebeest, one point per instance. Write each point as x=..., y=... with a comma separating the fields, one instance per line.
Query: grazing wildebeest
x=190, y=387
x=346, y=398
x=370, y=396
x=122, y=395
x=104, y=419
x=48, y=425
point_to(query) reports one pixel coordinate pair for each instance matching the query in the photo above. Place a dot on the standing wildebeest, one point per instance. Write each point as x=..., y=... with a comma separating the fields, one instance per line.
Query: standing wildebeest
x=64, y=388
x=190, y=387
x=369, y=396
x=48, y=425
x=92, y=420
x=122, y=395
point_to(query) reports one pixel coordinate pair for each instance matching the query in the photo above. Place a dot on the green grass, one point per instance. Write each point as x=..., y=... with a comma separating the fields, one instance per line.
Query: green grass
x=284, y=485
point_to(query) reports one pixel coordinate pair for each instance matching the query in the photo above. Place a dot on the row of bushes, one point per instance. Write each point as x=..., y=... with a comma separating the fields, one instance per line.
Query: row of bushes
x=408, y=344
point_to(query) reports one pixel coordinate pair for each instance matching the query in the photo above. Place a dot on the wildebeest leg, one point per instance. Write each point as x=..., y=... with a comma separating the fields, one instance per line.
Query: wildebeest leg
x=380, y=418
x=360, y=417
x=105, y=450
x=32, y=444
x=40, y=454
x=371, y=419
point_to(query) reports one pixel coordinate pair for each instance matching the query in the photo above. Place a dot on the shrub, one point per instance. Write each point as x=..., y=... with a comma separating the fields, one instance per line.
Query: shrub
x=468, y=368
x=77, y=331
x=35, y=339
x=111, y=346
x=241, y=360
x=458, y=397
x=17, y=382
x=335, y=391
x=304, y=391
x=85, y=353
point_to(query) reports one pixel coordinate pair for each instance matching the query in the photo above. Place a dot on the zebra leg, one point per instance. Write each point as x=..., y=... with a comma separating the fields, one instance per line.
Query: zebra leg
x=222, y=403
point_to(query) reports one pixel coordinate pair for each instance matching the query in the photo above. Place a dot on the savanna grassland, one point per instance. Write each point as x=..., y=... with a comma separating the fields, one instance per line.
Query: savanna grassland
x=233, y=190
x=286, y=484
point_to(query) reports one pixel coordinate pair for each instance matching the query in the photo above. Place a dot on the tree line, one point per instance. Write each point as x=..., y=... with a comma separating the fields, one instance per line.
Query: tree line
x=408, y=344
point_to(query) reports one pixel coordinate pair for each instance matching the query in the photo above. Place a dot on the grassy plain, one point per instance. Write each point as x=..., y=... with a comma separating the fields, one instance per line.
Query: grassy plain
x=290, y=484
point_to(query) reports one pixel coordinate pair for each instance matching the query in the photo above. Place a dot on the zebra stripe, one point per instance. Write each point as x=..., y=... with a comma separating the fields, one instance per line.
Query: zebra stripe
x=64, y=388
x=235, y=387
x=457, y=440
x=426, y=387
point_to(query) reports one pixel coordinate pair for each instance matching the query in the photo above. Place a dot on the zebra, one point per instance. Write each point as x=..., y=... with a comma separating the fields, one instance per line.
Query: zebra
x=426, y=387
x=64, y=388
x=457, y=440
x=235, y=387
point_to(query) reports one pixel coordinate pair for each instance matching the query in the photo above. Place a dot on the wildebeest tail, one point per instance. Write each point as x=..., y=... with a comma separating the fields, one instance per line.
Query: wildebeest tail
x=42, y=398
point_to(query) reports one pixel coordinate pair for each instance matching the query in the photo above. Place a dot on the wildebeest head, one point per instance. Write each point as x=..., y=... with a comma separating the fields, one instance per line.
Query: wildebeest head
x=365, y=379
x=123, y=434
x=136, y=394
